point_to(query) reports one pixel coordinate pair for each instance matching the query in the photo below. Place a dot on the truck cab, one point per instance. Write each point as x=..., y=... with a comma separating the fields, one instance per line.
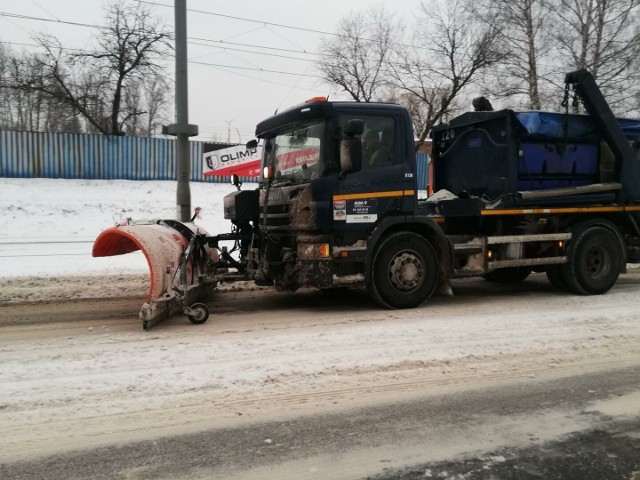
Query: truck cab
x=339, y=179
x=342, y=151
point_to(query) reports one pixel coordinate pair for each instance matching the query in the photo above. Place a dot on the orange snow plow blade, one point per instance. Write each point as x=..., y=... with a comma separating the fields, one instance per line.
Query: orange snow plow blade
x=162, y=246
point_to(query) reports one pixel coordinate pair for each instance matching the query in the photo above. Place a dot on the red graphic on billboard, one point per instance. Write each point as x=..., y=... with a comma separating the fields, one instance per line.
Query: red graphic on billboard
x=295, y=159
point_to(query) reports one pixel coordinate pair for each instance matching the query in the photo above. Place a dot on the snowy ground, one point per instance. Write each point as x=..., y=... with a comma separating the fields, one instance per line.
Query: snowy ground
x=47, y=226
x=73, y=378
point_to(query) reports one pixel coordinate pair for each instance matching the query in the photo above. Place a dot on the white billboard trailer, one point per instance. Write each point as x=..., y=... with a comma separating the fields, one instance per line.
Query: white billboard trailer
x=229, y=160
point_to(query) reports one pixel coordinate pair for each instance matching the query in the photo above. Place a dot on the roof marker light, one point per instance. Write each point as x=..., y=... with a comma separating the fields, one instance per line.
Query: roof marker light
x=316, y=99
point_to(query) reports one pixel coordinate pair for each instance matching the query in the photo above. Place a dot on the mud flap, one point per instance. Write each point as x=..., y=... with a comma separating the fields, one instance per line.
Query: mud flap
x=162, y=246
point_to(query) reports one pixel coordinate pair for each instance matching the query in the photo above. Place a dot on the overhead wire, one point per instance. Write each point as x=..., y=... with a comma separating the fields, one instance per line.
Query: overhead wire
x=242, y=33
x=255, y=69
x=238, y=74
x=50, y=20
x=305, y=52
x=216, y=66
x=245, y=19
x=222, y=45
x=190, y=41
x=273, y=24
x=45, y=10
x=87, y=25
x=252, y=52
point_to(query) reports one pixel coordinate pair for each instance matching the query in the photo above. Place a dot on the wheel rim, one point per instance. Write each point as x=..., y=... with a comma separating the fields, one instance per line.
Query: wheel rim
x=406, y=271
x=597, y=262
x=198, y=314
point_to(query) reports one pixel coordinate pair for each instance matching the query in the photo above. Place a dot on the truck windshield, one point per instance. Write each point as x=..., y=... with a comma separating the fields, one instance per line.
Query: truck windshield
x=295, y=153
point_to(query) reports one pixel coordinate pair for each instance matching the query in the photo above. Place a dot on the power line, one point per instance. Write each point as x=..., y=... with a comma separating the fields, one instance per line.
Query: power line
x=255, y=69
x=263, y=80
x=253, y=46
x=50, y=20
x=250, y=51
x=302, y=50
x=244, y=19
x=193, y=62
x=225, y=67
x=37, y=45
x=98, y=27
x=222, y=49
x=44, y=9
x=280, y=25
x=224, y=42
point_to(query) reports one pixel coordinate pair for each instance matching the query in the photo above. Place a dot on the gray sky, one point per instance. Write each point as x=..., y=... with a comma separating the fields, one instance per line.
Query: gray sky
x=222, y=100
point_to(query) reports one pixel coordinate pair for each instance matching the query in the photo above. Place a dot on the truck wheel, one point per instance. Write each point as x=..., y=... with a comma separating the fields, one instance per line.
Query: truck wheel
x=508, y=275
x=199, y=313
x=594, y=261
x=404, y=272
x=556, y=278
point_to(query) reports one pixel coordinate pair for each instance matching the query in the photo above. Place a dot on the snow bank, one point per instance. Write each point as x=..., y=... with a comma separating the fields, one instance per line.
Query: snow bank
x=47, y=226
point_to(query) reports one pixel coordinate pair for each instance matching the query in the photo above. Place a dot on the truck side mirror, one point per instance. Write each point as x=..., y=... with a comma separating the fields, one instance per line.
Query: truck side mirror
x=350, y=155
x=251, y=144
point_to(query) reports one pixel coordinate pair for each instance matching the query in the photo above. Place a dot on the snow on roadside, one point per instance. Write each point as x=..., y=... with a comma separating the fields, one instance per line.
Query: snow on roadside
x=55, y=221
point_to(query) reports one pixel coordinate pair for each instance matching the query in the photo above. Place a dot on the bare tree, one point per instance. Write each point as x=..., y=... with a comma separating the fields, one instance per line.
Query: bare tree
x=603, y=37
x=524, y=38
x=149, y=97
x=22, y=108
x=102, y=84
x=53, y=75
x=355, y=58
x=417, y=108
x=451, y=47
x=5, y=93
x=156, y=99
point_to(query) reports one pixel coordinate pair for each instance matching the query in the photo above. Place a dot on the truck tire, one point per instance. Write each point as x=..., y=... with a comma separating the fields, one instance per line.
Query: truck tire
x=594, y=259
x=404, y=272
x=556, y=278
x=508, y=275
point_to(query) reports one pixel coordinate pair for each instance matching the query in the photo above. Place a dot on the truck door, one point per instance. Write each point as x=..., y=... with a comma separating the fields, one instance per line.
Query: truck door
x=384, y=184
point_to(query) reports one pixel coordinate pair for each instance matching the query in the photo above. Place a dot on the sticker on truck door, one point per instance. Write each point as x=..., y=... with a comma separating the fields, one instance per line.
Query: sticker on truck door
x=355, y=211
x=340, y=210
x=362, y=211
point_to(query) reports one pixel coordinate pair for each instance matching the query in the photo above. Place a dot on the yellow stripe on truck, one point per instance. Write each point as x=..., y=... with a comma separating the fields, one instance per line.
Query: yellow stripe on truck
x=542, y=211
x=391, y=193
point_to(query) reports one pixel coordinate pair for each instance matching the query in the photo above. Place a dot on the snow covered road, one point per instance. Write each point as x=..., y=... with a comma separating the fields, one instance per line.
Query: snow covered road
x=81, y=373
x=78, y=373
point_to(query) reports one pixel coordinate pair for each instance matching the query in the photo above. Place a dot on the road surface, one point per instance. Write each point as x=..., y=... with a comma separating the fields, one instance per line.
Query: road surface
x=498, y=381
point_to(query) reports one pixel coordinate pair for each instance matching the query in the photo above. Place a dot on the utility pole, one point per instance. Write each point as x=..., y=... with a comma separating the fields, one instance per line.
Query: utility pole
x=182, y=129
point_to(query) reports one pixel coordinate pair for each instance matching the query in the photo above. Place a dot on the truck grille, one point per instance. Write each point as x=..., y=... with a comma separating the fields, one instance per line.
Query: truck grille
x=278, y=216
x=289, y=208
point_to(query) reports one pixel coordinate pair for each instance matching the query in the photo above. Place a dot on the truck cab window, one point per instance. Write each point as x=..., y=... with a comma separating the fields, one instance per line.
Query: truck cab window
x=295, y=152
x=377, y=140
